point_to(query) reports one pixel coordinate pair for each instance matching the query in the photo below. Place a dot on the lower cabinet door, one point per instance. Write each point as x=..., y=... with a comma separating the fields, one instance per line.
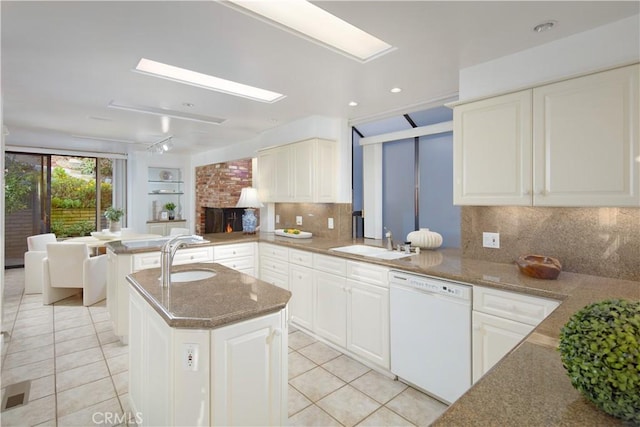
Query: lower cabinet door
x=330, y=319
x=302, y=294
x=368, y=322
x=248, y=375
x=493, y=337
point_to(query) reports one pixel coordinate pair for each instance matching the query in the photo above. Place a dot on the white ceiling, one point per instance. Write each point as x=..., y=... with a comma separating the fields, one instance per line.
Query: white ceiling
x=63, y=62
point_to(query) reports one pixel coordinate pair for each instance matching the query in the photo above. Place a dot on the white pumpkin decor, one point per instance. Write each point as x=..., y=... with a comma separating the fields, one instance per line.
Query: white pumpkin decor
x=424, y=238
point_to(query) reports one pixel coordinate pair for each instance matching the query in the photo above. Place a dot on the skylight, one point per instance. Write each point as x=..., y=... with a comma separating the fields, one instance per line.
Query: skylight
x=193, y=78
x=309, y=21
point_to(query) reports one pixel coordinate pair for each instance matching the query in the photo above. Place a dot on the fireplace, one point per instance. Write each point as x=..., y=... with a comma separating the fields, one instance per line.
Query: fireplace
x=222, y=220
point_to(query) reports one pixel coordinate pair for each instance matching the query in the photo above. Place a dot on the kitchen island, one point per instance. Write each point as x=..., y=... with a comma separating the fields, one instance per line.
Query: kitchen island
x=209, y=351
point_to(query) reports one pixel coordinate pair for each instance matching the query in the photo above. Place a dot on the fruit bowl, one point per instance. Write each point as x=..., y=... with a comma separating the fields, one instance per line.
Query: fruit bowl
x=539, y=266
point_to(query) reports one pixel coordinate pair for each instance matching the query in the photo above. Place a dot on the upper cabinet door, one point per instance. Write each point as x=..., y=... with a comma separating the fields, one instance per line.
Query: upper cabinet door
x=492, y=151
x=586, y=143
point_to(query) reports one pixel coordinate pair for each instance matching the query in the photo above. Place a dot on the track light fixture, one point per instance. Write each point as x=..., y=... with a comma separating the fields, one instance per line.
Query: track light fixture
x=161, y=146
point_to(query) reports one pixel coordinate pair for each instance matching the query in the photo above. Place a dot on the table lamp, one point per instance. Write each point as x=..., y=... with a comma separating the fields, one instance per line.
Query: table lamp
x=249, y=201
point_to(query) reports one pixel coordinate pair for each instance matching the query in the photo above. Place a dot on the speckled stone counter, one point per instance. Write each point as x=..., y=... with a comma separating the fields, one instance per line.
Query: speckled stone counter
x=228, y=297
x=529, y=386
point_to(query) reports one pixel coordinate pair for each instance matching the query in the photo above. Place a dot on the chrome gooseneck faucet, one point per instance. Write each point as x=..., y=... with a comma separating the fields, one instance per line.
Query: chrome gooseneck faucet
x=169, y=250
x=389, y=237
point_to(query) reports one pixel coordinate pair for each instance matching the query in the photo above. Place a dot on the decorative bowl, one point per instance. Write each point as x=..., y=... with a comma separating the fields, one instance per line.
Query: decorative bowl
x=539, y=266
x=166, y=176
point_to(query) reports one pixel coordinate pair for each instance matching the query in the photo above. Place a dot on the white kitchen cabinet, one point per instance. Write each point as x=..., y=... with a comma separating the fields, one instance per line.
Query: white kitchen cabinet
x=238, y=376
x=301, y=172
x=249, y=364
x=500, y=321
x=330, y=309
x=571, y=143
x=368, y=322
x=301, y=306
x=164, y=228
x=238, y=256
x=274, y=265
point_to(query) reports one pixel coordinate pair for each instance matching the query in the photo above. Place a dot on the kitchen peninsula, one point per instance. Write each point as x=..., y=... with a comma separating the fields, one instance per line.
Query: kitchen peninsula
x=208, y=352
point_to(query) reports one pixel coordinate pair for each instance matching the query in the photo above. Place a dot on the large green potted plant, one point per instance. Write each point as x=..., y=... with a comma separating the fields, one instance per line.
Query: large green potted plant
x=600, y=349
x=114, y=215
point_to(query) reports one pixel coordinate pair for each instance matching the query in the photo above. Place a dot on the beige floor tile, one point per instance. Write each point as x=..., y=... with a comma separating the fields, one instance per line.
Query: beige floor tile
x=35, y=412
x=100, y=316
x=35, y=312
x=106, y=337
x=42, y=387
x=78, y=344
x=103, y=326
x=114, y=349
x=48, y=423
x=297, y=401
x=107, y=413
x=72, y=313
x=385, y=417
x=73, y=322
x=75, y=399
x=121, y=382
x=316, y=383
x=118, y=364
x=78, y=358
x=319, y=352
x=417, y=407
x=25, y=357
x=378, y=386
x=44, y=318
x=299, y=339
x=30, y=331
x=22, y=344
x=348, y=405
x=27, y=372
x=345, y=368
x=81, y=375
x=298, y=364
x=73, y=333
x=33, y=305
x=312, y=416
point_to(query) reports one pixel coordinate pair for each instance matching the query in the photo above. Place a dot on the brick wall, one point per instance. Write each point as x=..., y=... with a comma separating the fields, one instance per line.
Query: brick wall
x=219, y=186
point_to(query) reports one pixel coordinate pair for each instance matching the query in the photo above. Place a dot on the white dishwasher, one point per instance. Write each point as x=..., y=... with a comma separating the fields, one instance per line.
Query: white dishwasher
x=430, y=333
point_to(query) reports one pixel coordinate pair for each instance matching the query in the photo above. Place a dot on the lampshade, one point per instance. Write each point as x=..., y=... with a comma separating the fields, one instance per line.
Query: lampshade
x=249, y=198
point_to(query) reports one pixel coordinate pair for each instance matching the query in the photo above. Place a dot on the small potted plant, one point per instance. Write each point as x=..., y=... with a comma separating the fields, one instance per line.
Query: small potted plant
x=114, y=215
x=600, y=349
x=171, y=210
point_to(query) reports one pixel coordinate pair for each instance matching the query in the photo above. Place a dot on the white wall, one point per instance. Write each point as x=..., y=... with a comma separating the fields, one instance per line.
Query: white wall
x=309, y=127
x=604, y=47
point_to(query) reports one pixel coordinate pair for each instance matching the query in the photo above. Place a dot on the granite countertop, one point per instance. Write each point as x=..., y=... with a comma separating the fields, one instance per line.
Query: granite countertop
x=228, y=297
x=529, y=385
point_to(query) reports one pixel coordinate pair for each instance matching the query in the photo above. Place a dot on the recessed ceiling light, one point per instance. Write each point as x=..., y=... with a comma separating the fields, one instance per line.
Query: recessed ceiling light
x=167, y=113
x=545, y=26
x=396, y=90
x=353, y=104
x=193, y=78
x=315, y=24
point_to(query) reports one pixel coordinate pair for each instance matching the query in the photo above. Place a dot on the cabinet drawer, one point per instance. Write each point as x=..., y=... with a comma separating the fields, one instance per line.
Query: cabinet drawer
x=279, y=279
x=146, y=260
x=368, y=273
x=242, y=263
x=232, y=251
x=330, y=264
x=190, y=255
x=301, y=257
x=278, y=266
x=274, y=251
x=512, y=305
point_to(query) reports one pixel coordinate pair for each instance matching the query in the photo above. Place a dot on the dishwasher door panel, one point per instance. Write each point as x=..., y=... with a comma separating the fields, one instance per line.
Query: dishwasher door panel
x=431, y=341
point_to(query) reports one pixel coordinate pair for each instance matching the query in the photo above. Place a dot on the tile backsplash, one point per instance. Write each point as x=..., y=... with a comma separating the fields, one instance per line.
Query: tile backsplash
x=597, y=241
x=315, y=218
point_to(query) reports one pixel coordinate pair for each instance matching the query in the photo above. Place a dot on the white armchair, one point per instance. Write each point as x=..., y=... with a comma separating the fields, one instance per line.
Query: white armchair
x=33, y=270
x=68, y=268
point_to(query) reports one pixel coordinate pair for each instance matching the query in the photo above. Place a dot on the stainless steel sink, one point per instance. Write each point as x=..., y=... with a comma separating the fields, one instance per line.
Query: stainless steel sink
x=191, y=275
x=371, y=251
